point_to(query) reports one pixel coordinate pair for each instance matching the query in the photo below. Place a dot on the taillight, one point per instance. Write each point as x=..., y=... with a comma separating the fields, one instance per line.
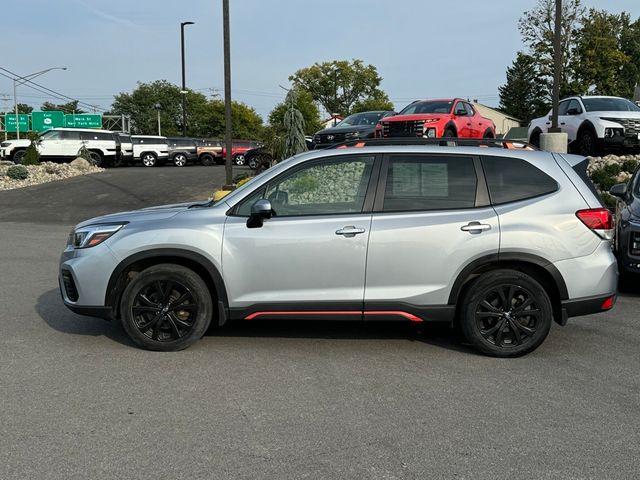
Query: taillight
x=596, y=218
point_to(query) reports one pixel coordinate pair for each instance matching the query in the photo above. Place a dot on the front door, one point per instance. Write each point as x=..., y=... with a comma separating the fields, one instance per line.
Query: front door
x=50, y=143
x=310, y=256
x=430, y=221
x=463, y=121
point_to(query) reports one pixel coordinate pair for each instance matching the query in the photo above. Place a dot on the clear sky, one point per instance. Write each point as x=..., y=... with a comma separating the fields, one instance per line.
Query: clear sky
x=422, y=48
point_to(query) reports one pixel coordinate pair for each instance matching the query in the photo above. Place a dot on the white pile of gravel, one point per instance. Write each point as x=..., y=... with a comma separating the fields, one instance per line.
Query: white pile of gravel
x=46, y=172
x=596, y=163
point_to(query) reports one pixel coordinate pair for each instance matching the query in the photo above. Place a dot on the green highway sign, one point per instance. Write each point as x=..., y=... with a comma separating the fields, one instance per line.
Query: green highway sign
x=83, y=120
x=10, y=122
x=42, y=121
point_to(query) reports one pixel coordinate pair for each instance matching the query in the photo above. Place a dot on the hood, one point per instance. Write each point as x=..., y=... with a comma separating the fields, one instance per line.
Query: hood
x=417, y=116
x=161, y=212
x=615, y=114
x=23, y=142
x=346, y=129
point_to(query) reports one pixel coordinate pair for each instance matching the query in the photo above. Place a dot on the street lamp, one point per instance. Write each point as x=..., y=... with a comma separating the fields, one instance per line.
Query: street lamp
x=184, y=88
x=158, y=107
x=21, y=81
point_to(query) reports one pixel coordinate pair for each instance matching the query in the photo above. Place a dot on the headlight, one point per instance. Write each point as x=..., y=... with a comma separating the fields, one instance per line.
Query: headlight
x=431, y=120
x=92, y=235
x=613, y=132
x=351, y=135
x=5, y=144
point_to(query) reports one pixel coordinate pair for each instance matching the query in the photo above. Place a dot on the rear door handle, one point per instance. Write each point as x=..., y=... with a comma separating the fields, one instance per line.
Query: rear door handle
x=349, y=231
x=475, y=227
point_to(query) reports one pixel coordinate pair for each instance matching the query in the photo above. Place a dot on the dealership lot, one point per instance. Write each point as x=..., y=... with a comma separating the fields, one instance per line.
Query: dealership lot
x=288, y=399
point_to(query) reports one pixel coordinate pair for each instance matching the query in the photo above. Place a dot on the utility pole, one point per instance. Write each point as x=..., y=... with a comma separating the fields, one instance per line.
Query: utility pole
x=227, y=93
x=557, y=68
x=183, y=92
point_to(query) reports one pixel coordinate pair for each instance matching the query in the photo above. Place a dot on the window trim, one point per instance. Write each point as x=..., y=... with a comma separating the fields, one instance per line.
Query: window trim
x=482, y=191
x=369, y=196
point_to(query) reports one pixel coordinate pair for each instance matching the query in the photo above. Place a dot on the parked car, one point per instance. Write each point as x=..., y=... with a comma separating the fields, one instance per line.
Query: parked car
x=182, y=150
x=209, y=151
x=594, y=124
x=627, y=238
x=151, y=150
x=452, y=117
x=501, y=242
x=238, y=150
x=358, y=125
x=258, y=158
x=64, y=144
x=126, y=148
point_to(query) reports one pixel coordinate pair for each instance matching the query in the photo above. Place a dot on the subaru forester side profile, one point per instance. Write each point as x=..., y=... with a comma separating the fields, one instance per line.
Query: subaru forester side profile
x=498, y=242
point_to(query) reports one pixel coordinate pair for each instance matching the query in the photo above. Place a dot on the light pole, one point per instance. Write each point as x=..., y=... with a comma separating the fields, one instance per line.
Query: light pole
x=184, y=88
x=21, y=81
x=227, y=92
x=158, y=107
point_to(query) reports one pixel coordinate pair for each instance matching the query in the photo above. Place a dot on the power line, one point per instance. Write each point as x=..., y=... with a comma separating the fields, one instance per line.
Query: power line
x=31, y=83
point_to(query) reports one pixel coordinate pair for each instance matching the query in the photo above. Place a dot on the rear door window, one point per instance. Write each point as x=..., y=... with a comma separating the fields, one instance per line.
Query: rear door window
x=429, y=182
x=513, y=179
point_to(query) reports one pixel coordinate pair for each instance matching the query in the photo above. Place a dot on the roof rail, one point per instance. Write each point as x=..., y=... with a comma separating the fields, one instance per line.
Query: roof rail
x=444, y=142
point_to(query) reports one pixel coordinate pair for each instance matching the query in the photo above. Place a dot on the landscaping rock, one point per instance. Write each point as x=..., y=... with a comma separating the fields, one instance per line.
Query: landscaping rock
x=81, y=164
x=45, y=172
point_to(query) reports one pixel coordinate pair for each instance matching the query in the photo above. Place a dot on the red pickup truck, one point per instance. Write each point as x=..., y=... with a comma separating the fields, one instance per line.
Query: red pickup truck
x=452, y=117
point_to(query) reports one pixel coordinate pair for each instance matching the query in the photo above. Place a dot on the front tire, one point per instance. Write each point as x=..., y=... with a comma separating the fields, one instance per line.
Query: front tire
x=180, y=160
x=506, y=313
x=149, y=160
x=166, y=307
x=239, y=159
x=449, y=133
x=587, y=143
x=18, y=156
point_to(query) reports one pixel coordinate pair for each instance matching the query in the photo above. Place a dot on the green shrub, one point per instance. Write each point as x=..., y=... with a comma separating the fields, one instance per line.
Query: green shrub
x=17, y=172
x=604, y=178
x=629, y=166
x=85, y=153
x=31, y=155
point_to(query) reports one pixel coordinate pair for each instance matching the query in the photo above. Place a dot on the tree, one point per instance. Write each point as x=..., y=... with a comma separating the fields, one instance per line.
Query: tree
x=537, y=27
x=22, y=108
x=600, y=56
x=305, y=104
x=630, y=46
x=378, y=101
x=294, y=141
x=205, y=118
x=340, y=84
x=523, y=96
x=69, y=107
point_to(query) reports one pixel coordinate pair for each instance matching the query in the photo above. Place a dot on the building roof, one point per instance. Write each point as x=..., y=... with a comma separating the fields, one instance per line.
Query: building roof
x=499, y=112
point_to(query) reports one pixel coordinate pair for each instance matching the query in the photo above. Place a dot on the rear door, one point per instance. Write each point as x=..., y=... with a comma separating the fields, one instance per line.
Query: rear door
x=431, y=218
x=311, y=254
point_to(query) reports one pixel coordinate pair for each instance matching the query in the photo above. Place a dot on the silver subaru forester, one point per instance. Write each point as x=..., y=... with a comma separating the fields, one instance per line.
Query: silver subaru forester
x=499, y=242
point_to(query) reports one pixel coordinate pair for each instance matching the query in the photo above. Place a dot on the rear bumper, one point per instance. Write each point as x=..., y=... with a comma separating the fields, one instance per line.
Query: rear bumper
x=588, y=305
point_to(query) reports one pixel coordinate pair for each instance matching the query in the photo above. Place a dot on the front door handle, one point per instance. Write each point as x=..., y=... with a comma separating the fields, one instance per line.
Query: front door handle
x=475, y=227
x=349, y=231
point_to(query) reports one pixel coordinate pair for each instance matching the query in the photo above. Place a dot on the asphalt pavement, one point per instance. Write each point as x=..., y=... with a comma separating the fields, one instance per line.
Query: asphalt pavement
x=288, y=400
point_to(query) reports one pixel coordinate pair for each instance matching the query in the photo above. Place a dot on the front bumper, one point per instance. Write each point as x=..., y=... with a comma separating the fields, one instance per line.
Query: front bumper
x=619, y=143
x=627, y=261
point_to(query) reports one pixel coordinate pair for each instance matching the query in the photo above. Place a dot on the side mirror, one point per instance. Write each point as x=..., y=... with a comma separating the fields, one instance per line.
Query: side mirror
x=260, y=211
x=619, y=190
x=573, y=111
x=460, y=113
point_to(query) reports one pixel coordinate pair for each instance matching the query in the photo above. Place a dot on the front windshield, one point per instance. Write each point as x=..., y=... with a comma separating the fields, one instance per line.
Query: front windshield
x=432, y=106
x=366, y=119
x=609, y=105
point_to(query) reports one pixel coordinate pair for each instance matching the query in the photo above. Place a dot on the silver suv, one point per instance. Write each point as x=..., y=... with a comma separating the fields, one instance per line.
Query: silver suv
x=498, y=242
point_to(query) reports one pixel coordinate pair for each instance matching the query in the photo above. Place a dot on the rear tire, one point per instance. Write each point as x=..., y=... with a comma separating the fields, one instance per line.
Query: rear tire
x=488, y=134
x=166, y=307
x=535, y=138
x=207, y=160
x=96, y=159
x=179, y=159
x=149, y=159
x=505, y=313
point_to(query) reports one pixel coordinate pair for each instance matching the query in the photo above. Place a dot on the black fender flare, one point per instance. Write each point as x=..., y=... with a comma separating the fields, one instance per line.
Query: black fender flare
x=115, y=285
x=492, y=261
x=586, y=125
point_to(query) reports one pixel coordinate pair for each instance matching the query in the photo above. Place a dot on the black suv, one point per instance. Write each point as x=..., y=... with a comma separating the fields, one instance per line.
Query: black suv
x=354, y=127
x=182, y=150
x=627, y=238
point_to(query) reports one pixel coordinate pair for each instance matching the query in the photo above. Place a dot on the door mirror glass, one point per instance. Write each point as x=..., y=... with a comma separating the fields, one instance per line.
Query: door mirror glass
x=619, y=190
x=260, y=211
x=573, y=111
x=460, y=110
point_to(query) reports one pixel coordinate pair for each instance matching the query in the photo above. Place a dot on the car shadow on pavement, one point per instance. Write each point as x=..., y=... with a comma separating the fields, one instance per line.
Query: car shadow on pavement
x=629, y=286
x=57, y=316
x=436, y=334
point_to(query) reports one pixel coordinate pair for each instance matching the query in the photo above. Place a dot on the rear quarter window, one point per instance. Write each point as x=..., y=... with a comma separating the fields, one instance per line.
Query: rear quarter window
x=513, y=179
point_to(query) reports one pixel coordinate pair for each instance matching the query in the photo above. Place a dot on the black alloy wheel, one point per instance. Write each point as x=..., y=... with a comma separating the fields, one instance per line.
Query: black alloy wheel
x=505, y=313
x=95, y=159
x=164, y=311
x=166, y=307
x=18, y=157
x=507, y=316
x=449, y=133
x=206, y=160
x=587, y=143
